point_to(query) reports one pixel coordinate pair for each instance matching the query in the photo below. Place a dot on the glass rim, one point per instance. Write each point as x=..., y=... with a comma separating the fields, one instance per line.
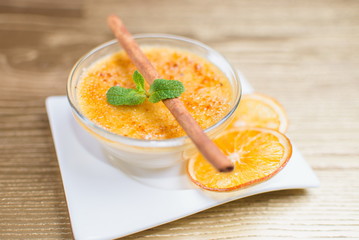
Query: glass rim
x=171, y=142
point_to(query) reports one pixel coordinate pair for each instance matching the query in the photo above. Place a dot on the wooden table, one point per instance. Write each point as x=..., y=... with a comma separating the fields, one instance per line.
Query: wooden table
x=304, y=53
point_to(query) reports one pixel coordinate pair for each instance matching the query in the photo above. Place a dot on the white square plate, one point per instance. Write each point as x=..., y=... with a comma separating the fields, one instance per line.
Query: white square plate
x=107, y=202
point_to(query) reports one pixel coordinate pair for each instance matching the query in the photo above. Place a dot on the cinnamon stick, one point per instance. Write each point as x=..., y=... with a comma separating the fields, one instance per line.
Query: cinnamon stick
x=208, y=149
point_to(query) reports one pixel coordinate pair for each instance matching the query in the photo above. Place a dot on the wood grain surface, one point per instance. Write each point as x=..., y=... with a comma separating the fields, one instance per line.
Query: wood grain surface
x=304, y=53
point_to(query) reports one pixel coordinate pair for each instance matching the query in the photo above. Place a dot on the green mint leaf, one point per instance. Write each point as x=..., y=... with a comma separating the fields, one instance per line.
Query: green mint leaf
x=163, y=89
x=124, y=96
x=139, y=81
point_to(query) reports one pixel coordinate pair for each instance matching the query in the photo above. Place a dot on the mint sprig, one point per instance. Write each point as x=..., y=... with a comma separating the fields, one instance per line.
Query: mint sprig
x=124, y=96
x=139, y=81
x=163, y=89
x=160, y=89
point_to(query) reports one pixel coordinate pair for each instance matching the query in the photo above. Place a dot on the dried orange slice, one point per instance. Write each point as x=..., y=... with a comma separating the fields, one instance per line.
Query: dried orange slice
x=257, y=154
x=258, y=110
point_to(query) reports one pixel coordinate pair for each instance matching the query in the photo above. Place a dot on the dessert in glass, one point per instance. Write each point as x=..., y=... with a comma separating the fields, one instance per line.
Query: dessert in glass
x=147, y=135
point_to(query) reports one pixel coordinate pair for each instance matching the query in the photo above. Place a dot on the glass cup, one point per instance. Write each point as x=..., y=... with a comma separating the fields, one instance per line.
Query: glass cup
x=149, y=153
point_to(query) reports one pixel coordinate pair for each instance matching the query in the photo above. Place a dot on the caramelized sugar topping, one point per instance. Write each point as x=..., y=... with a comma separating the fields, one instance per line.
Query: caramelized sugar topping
x=207, y=97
